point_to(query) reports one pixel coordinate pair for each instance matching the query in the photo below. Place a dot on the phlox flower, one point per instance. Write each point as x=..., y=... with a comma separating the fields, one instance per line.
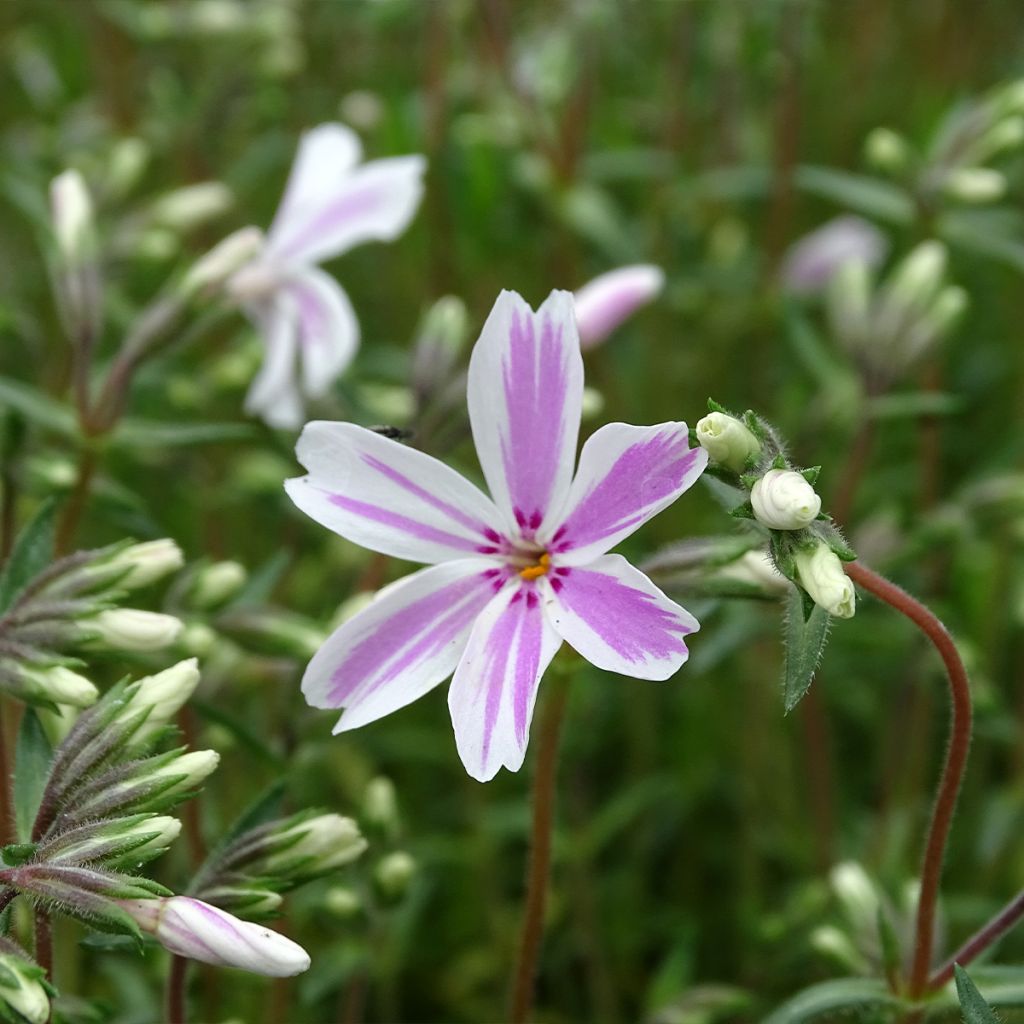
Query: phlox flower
x=510, y=576
x=609, y=299
x=331, y=204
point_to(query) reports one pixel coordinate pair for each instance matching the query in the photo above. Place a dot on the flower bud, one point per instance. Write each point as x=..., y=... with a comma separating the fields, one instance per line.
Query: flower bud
x=217, y=584
x=393, y=874
x=886, y=150
x=848, y=303
x=313, y=847
x=164, y=829
x=604, y=303
x=146, y=563
x=975, y=184
x=21, y=989
x=179, y=775
x=814, y=259
x=728, y=441
x=71, y=209
x=128, y=629
x=1007, y=133
x=857, y=895
x=380, y=806
x=947, y=308
x=199, y=931
x=58, y=685
x=783, y=500
x=228, y=256
x=188, y=207
x=757, y=569
x=164, y=694
x=252, y=901
x=343, y=902
x=821, y=574
x=917, y=278
x=439, y=343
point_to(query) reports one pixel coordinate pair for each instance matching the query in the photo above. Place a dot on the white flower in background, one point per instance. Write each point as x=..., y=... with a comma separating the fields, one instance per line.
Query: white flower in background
x=783, y=500
x=822, y=575
x=812, y=261
x=604, y=303
x=331, y=204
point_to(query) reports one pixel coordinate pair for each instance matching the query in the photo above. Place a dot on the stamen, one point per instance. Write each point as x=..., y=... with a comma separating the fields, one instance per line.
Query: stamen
x=533, y=572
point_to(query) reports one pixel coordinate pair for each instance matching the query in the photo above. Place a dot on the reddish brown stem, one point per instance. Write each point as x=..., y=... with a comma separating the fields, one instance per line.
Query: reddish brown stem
x=175, y=995
x=953, y=771
x=539, y=869
x=68, y=526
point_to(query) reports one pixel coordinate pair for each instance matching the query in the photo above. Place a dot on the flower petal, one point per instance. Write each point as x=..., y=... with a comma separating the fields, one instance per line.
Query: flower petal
x=404, y=643
x=390, y=498
x=525, y=393
x=626, y=475
x=274, y=393
x=374, y=202
x=326, y=155
x=608, y=300
x=495, y=686
x=327, y=326
x=618, y=619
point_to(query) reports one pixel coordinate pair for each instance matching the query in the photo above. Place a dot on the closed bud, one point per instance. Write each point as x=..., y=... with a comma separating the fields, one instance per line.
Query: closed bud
x=22, y=994
x=164, y=694
x=1003, y=135
x=783, y=500
x=857, y=894
x=848, y=302
x=313, y=847
x=886, y=150
x=71, y=210
x=815, y=259
x=380, y=806
x=180, y=775
x=918, y=277
x=604, y=303
x=975, y=184
x=439, y=343
x=227, y=257
x=188, y=207
x=947, y=308
x=128, y=629
x=58, y=685
x=143, y=564
x=343, y=902
x=835, y=944
x=253, y=902
x=162, y=830
x=728, y=441
x=128, y=160
x=216, y=584
x=756, y=569
x=196, y=930
x=821, y=574
x=393, y=875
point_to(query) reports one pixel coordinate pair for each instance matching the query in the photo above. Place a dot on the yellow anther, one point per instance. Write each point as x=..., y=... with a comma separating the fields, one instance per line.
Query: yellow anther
x=532, y=572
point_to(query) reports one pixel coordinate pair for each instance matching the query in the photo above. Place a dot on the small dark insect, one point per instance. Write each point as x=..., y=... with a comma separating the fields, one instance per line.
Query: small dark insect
x=395, y=433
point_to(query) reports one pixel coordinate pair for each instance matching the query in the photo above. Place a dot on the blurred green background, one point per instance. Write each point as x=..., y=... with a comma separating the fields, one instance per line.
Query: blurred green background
x=697, y=824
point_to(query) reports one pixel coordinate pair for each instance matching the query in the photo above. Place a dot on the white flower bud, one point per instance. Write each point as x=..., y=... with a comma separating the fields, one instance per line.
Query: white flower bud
x=148, y=562
x=188, y=770
x=848, y=303
x=919, y=275
x=226, y=258
x=393, y=874
x=886, y=150
x=821, y=574
x=165, y=694
x=342, y=901
x=1005, y=134
x=188, y=207
x=71, y=209
x=193, y=929
x=830, y=941
x=164, y=829
x=947, y=308
x=128, y=629
x=728, y=441
x=783, y=500
x=22, y=991
x=857, y=894
x=217, y=583
x=975, y=184
x=757, y=569
x=59, y=685
x=380, y=805
x=325, y=842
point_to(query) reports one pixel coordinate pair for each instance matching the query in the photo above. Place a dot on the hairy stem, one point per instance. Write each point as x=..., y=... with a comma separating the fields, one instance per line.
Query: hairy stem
x=44, y=941
x=952, y=773
x=175, y=994
x=539, y=868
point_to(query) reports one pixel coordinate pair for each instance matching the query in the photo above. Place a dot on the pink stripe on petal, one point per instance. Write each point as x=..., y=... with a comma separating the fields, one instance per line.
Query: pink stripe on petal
x=525, y=393
x=404, y=643
x=493, y=692
x=388, y=497
x=619, y=620
x=626, y=475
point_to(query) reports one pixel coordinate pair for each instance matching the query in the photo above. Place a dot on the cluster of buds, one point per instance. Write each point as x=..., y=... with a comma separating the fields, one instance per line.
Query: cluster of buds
x=71, y=607
x=252, y=871
x=805, y=546
x=888, y=326
x=956, y=164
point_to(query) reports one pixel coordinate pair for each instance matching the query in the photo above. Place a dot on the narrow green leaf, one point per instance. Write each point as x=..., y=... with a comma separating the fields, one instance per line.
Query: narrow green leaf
x=805, y=640
x=140, y=433
x=866, y=195
x=31, y=768
x=32, y=553
x=830, y=997
x=39, y=408
x=975, y=1009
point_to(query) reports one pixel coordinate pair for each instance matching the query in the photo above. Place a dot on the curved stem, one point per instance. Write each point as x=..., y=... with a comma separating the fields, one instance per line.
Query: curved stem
x=952, y=773
x=175, y=995
x=539, y=868
x=76, y=503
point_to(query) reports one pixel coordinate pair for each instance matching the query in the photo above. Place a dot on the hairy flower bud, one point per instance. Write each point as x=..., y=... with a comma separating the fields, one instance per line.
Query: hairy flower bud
x=604, y=303
x=217, y=583
x=58, y=685
x=821, y=574
x=164, y=694
x=128, y=629
x=21, y=988
x=728, y=441
x=199, y=931
x=173, y=779
x=783, y=500
x=757, y=569
x=214, y=269
x=146, y=563
x=312, y=847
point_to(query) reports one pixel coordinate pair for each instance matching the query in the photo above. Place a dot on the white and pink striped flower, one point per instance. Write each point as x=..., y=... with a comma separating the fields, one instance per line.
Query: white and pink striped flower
x=512, y=576
x=612, y=298
x=331, y=204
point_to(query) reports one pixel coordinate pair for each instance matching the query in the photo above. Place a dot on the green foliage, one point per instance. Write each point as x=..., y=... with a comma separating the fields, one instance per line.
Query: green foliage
x=805, y=635
x=30, y=556
x=975, y=1009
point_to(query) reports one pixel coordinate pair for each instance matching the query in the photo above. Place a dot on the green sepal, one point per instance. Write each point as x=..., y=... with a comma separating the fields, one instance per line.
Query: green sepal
x=975, y=1009
x=804, y=635
x=18, y=853
x=744, y=511
x=714, y=406
x=779, y=462
x=811, y=475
